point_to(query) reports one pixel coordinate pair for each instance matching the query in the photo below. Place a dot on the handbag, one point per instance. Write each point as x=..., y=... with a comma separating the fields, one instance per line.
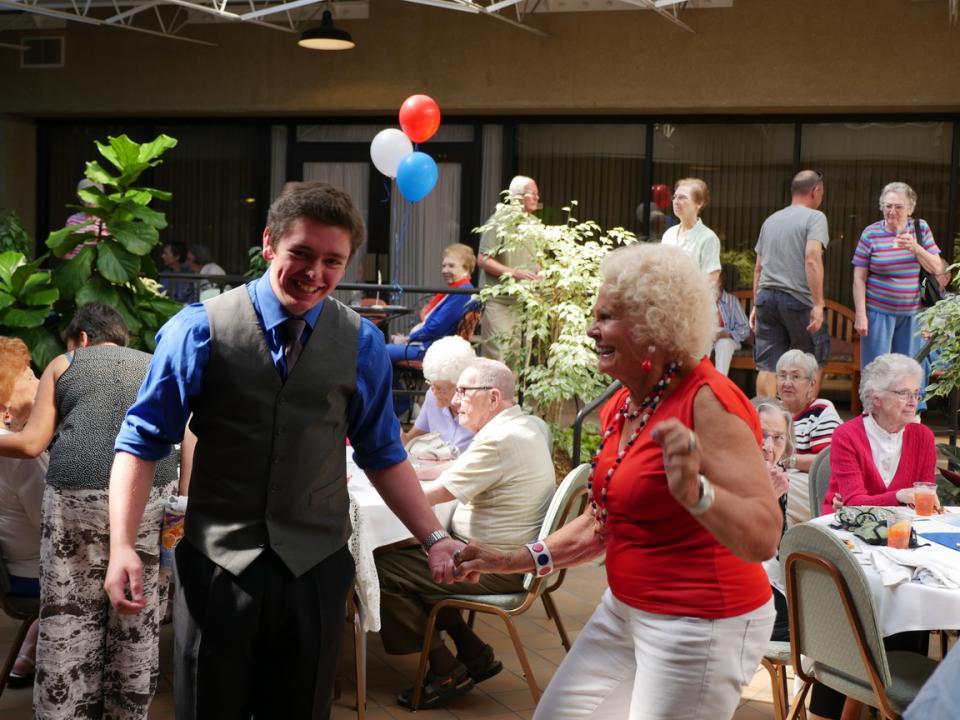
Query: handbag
x=429, y=446
x=930, y=293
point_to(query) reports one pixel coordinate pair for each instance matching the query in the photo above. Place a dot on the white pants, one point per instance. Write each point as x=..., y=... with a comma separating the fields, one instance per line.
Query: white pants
x=628, y=664
x=723, y=350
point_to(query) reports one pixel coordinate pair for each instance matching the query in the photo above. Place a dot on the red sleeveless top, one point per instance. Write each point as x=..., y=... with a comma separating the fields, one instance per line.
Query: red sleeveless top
x=659, y=558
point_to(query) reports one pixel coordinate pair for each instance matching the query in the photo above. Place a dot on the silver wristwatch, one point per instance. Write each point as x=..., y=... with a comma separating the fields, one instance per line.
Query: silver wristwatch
x=433, y=538
x=707, y=495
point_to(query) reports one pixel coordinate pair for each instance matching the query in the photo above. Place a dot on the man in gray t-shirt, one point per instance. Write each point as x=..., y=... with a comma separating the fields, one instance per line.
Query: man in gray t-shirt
x=788, y=282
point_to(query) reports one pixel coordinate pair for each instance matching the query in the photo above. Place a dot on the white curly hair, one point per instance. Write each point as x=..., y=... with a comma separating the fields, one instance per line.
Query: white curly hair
x=666, y=296
x=447, y=358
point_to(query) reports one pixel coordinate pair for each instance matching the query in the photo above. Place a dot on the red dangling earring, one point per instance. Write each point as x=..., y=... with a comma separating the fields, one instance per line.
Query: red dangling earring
x=647, y=364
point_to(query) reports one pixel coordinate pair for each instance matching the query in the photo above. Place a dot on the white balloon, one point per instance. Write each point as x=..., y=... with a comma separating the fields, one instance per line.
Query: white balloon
x=388, y=148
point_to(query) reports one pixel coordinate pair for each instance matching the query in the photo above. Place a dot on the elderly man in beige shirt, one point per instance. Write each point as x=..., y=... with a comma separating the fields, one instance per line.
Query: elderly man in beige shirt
x=504, y=483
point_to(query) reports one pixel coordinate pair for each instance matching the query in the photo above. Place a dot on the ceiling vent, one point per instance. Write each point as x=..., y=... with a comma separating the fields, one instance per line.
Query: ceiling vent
x=41, y=52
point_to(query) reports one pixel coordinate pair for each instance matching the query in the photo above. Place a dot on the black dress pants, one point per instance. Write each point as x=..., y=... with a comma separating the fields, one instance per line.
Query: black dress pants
x=262, y=644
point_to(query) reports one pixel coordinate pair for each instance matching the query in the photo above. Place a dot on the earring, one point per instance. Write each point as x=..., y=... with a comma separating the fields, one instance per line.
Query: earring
x=647, y=364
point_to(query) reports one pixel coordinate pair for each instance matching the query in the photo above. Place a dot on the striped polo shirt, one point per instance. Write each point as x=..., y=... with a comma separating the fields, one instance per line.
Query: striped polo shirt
x=813, y=427
x=893, y=275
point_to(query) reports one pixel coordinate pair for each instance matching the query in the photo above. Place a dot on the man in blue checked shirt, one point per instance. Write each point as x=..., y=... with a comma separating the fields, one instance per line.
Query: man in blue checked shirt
x=732, y=328
x=276, y=376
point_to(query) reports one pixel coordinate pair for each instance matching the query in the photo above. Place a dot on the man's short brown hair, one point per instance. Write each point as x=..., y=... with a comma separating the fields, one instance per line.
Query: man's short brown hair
x=319, y=202
x=14, y=360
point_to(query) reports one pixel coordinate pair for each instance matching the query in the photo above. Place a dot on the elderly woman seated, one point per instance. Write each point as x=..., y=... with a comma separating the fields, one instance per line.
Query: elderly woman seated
x=442, y=313
x=21, y=493
x=878, y=456
x=814, y=420
x=442, y=365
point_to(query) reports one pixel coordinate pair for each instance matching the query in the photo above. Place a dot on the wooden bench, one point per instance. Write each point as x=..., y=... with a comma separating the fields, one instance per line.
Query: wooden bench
x=844, y=359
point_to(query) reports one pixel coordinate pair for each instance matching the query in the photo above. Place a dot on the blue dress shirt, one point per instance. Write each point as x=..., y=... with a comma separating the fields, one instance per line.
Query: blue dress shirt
x=175, y=377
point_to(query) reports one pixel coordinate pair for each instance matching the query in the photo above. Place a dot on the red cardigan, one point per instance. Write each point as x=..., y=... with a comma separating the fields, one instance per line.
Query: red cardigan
x=854, y=475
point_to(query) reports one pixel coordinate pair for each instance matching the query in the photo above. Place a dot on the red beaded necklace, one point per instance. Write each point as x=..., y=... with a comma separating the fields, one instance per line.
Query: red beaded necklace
x=644, y=411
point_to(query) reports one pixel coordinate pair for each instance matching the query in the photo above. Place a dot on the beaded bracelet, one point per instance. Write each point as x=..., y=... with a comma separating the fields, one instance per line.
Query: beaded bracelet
x=542, y=558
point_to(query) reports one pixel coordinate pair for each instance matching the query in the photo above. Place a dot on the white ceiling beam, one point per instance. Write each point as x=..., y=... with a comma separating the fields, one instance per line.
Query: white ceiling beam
x=226, y=15
x=278, y=8
x=128, y=13
x=649, y=5
x=501, y=4
x=446, y=5
x=46, y=12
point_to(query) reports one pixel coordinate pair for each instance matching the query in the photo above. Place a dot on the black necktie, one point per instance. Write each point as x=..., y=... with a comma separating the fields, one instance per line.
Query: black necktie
x=292, y=330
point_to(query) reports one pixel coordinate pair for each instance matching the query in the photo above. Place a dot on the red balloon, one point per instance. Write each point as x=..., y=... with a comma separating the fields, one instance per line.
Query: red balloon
x=419, y=117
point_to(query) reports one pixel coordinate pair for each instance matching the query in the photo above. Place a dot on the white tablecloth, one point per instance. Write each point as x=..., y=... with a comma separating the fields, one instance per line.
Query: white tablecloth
x=908, y=605
x=375, y=525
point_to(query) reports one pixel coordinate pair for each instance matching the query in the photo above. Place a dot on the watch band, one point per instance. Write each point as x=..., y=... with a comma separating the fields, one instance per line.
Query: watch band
x=433, y=538
x=707, y=495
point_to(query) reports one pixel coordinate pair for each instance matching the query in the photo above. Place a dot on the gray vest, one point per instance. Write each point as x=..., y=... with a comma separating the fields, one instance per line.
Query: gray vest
x=269, y=468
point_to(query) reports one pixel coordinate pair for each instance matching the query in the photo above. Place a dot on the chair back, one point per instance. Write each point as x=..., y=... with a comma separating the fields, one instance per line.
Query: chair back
x=819, y=479
x=572, y=488
x=15, y=606
x=832, y=616
x=469, y=321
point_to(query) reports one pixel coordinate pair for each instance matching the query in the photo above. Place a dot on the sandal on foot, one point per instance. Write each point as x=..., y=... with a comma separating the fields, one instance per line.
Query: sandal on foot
x=22, y=680
x=438, y=689
x=482, y=667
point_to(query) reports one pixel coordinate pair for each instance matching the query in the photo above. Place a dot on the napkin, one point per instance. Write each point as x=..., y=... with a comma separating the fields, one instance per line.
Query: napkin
x=920, y=565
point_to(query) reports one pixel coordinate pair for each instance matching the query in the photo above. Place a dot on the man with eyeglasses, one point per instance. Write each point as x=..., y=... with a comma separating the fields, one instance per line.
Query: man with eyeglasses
x=788, y=302
x=504, y=483
x=499, y=257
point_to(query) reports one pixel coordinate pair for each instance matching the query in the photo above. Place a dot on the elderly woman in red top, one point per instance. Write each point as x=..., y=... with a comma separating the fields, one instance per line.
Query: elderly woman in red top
x=876, y=457
x=682, y=505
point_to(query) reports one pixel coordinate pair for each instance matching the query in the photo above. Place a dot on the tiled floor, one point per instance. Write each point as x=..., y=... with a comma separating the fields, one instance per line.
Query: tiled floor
x=501, y=697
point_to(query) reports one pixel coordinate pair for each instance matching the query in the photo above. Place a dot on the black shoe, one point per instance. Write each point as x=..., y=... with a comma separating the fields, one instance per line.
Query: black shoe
x=438, y=689
x=484, y=666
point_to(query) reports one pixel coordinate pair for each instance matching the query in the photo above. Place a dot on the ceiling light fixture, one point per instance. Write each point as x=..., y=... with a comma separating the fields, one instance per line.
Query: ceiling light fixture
x=326, y=36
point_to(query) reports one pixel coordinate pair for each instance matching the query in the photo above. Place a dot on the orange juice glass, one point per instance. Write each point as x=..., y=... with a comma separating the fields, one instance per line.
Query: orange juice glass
x=898, y=533
x=924, y=498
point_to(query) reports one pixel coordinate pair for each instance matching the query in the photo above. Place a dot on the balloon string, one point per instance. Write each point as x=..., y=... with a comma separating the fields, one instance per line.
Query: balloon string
x=398, y=247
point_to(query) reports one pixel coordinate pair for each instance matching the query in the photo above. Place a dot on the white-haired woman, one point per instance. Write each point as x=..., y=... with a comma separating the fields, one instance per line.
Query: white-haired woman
x=778, y=450
x=682, y=505
x=814, y=420
x=690, y=196
x=442, y=365
x=886, y=276
x=876, y=457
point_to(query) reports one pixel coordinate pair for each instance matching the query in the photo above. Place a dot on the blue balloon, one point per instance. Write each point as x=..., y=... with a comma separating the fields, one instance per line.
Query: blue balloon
x=417, y=175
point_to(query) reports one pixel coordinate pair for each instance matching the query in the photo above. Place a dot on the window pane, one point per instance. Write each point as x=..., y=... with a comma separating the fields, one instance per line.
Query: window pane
x=857, y=160
x=601, y=166
x=746, y=166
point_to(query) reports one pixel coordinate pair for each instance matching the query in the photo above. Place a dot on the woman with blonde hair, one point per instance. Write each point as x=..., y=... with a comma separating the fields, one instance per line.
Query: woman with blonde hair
x=682, y=505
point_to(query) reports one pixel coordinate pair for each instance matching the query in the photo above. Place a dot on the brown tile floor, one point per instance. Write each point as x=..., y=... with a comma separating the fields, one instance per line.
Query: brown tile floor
x=501, y=697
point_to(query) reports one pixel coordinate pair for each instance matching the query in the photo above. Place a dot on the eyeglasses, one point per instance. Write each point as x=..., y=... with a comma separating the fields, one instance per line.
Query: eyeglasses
x=460, y=391
x=791, y=377
x=906, y=394
x=777, y=438
x=680, y=196
x=887, y=207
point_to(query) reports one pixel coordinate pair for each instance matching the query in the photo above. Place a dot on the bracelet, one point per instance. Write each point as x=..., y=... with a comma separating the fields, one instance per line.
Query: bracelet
x=542, y=559
x=433, y=538
x=707, y=495
x=792, y=462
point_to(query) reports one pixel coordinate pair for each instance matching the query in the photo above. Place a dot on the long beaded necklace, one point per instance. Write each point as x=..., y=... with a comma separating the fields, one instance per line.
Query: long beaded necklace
x=644, y=411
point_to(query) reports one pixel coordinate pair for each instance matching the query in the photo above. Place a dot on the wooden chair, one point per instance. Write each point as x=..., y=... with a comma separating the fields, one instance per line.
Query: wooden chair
x=819, y=479
x=24, y=609
x=844, y=356
x=833, y=622
x=568, y=500
x=776, y=660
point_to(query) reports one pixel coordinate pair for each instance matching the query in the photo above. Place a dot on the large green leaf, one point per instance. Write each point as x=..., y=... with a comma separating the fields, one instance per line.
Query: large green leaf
x=74, y=273
x=93, y=196
x=161, y=195
x=98, y=290
x=35, y=281
x=23, y=273
x=115, y=263
x=148, y=267
x=66, y=239
x=9, y=262
x=23, y=318
x=156, y=147
x=47, y=296
x=6, y=299
x=136, y=237
x=95, y=172
x=43, y=343
x=121, y=151
x=150, y=217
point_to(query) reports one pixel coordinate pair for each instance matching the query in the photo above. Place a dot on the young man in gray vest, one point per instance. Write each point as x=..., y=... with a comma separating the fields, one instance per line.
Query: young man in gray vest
x=276, y=376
